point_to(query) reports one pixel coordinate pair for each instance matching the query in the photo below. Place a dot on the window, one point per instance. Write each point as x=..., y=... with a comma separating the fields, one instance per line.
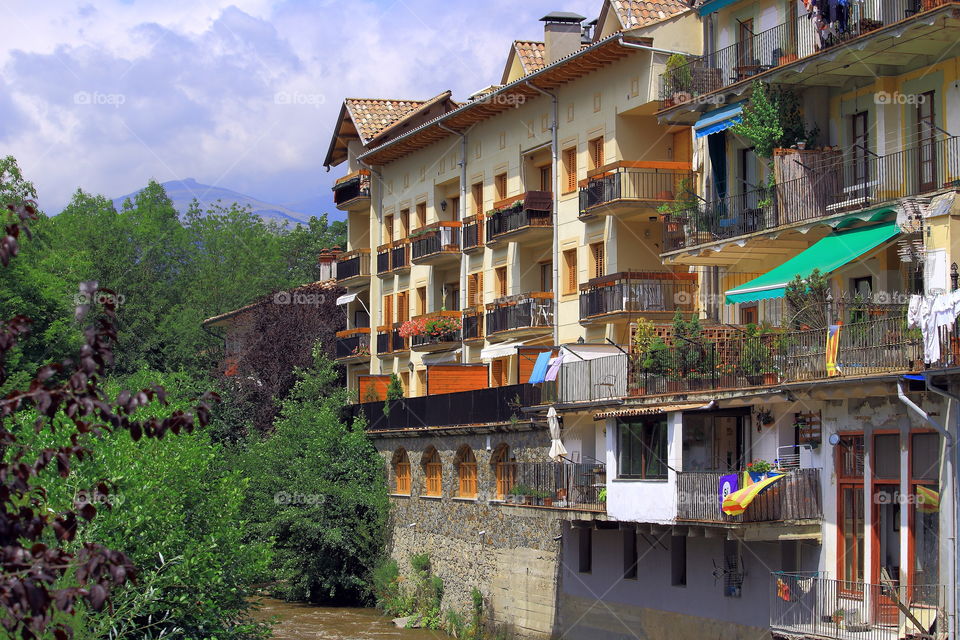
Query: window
x=678, y=561
x=850, y=513
x=401, y=472
x=388, y=310
x=585, y=548
x=546, y=276
x=498, y=373
x=570, y=269
x=596, y=153
x=863, y=287
x=546, y=177
x=500, y=186
x=749, y=314
x=475, y=289
x=630, y=554
x=925, y=456
x=433, y=472
x=466, y=464
x=403, y=306
x=477, y=190
x=745, y=44
x=597, y=266
x=388, y=228
x=421, y=215
x=925, y=490
x=642, y=449
x=452, y=301
x=504, y=469
x=454, y=208
x=421, y=300
x=500, y=275
x=886, y=456
x=927, y=171
x=405, y=222
x=859, y=149
x=570, y=170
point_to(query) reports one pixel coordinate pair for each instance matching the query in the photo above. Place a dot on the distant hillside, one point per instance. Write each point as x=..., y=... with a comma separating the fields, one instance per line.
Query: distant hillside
x=182, y=192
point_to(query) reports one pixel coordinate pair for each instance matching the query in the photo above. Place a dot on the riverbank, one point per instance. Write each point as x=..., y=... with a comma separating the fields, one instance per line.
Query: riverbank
x=303, y=621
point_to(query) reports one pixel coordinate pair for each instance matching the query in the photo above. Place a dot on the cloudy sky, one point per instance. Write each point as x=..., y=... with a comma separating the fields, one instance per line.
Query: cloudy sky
x=241, y=95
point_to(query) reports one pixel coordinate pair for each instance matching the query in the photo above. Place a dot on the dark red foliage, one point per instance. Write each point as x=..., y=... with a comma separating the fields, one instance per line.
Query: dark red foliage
x=33, y=556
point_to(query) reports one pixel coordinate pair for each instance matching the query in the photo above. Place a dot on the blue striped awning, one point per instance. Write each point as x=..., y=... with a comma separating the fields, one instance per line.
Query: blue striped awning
x=719, y=119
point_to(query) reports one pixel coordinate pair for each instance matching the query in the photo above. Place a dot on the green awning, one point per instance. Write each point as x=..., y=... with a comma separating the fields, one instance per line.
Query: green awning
x=827, y=255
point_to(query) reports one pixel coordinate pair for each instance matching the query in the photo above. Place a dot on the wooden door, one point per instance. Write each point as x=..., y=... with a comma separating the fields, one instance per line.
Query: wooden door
x=927, y=143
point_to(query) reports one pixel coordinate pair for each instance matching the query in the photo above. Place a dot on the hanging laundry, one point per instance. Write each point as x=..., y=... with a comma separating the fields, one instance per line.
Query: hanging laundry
x=554, y=369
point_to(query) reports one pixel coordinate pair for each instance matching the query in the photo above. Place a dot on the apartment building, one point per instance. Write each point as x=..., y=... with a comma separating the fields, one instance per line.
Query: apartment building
x=603, y=237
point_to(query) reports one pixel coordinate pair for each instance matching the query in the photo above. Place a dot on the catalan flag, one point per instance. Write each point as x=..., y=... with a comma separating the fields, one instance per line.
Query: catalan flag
x=928, y=500
x=738, y=501
x=833, y=348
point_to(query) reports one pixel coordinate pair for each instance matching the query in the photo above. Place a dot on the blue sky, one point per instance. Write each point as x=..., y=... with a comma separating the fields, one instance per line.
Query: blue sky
x=241, y=94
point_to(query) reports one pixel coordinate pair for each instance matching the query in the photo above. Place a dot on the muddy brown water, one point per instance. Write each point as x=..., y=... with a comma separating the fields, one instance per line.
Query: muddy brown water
x=307, y=622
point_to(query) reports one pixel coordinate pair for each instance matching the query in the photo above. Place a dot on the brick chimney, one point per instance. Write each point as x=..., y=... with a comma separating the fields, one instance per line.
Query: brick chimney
x=328, y=263
x=561, y=35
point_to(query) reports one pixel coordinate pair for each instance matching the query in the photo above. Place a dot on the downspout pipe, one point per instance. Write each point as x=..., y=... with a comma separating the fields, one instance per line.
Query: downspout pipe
x=955, y=454
x=555, y=259
x=463, y=210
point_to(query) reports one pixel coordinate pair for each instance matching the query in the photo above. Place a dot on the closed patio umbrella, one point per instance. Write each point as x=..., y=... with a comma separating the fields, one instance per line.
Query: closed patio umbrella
x=557, y=450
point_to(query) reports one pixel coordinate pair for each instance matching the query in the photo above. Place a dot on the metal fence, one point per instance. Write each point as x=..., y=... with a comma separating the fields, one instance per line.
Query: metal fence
x=811, y=605
x=638, y=293
x=624, y=183
x=526, y=313
x=536, y=211
x=592, y=380
x=558, y=485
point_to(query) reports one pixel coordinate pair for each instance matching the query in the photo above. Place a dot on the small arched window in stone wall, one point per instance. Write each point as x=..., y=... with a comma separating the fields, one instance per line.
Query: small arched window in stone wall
x=504, y=470
x=401, y=472
x=466, y=465
x=433, y=471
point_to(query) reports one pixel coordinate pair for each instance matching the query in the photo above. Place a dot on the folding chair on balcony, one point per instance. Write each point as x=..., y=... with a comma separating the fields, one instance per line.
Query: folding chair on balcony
x=608, y=382
x=542, y=315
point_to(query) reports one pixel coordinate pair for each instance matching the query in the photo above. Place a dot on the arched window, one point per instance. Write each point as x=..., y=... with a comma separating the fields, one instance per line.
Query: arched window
x=401, y=472
x=466, y=464
x=433, y=470
x=504, y=470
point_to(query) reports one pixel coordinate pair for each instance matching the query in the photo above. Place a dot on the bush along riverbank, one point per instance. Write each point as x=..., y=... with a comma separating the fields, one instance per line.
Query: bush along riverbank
x=415, y=602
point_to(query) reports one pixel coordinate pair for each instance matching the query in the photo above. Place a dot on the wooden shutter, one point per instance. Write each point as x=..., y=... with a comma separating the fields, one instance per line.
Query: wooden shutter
x=599, y=266
x=496, y=373
x=501, y=186
x=570, y=260
x=596, y=152
x=422, y=214
x=421, y=300
x=403, y=306
x=501, y=274
x=478, y=198
x=388, y=310
x=388, y=223
x=405, y=221
x=472, y=290
x=570, y=162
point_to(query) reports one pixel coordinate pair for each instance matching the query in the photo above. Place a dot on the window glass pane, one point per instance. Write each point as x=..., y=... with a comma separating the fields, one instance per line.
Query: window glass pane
x=886, y=456
x=925, y=456
x=926, y=538
x=642, y=450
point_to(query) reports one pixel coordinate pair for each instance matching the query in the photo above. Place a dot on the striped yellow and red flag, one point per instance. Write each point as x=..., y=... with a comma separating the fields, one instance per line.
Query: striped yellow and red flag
x=833, y=348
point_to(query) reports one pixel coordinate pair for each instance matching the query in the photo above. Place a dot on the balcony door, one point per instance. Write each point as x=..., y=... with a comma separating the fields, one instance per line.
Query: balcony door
x=859, y=154
x=885, y=534
x=927, y=143
x=745, y=53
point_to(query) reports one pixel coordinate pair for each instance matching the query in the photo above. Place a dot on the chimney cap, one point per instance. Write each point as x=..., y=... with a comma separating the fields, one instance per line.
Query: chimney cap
x=563, y=16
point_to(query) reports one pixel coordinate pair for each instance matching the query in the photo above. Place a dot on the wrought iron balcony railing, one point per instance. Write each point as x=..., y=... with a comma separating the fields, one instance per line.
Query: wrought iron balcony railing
x=638, y=292
x=526, y=311
x=531, y=209
x=352, y=187
x=353, y=264
x=634, y=182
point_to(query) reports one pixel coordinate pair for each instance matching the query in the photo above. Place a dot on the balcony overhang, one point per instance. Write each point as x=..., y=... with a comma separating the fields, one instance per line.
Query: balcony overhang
x=533, y=233
x=446, y=256
x=520, y=333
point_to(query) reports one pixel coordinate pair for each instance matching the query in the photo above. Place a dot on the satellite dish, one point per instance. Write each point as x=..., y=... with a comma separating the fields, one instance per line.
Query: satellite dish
x=834, y=439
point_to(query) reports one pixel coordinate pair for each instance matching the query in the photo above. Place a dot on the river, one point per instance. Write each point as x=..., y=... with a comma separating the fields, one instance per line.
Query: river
x=307, y=622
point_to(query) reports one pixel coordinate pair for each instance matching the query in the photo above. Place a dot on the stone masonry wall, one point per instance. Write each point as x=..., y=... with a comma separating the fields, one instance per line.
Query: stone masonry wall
x=510, y=553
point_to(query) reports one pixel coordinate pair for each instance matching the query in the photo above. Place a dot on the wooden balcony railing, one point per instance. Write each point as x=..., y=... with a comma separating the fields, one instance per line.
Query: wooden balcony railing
x=844, y=183
x=351, y=187
x=635, y=182
x=525, y=311
x=783, y=44
x=353, y=343
x=531, y=209
x=473, y=233
x=353, y=264
x=434, y=239
x=795, y=497
x=638, y=292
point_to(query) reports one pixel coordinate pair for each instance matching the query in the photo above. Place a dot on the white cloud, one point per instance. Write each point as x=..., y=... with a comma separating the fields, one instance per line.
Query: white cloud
x=238, y=94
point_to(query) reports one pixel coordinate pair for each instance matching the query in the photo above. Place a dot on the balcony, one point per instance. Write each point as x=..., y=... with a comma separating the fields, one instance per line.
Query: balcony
x=393, y=258
x=794, y=44
x=555, y=485
x=810, y=605
x=625, y=188
x=352, y=192
x=353, y=268
x=836, y=184
x=527, y=216
x=473, y=234
x=436, y=244
x=353, y=345
x=626, y=294
x=523, y=316
x=794, y=498
x=473, y=325
x=437, y=331
x=498, y=405
x=390, y=342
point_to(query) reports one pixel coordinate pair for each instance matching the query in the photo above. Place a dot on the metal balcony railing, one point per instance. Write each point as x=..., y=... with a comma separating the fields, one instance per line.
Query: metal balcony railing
x=635, y=184
x=353, y=343
x=472, y=326
x=811, y=605
x=436, y=238
x=352, y=187
x=857, y=180
x=557, y=485
x=473, y=233
x=353, y=264
x=526, y=311
x=531, y=209
x=781, y=45
x=638, y=292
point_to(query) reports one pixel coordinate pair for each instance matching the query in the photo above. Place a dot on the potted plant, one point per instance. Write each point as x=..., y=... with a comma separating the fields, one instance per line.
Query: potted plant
x=643, y=339
x=765, y=417
x=755, y=358
x=520, y=493
x=677, y=211
x=679, y=79
x=652, y=368
x=837, y=617
x=602, y=495
x=759, y=469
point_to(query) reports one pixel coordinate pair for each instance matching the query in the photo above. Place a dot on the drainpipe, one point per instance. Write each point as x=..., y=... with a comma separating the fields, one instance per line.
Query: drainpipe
x=377, y=238
x=953, y=450
x=555, y=130
x=463, y=210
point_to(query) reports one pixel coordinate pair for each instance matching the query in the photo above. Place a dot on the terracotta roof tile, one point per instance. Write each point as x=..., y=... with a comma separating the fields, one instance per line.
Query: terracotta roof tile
x=638, y=13
x=371, y=116
x=532, y=55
